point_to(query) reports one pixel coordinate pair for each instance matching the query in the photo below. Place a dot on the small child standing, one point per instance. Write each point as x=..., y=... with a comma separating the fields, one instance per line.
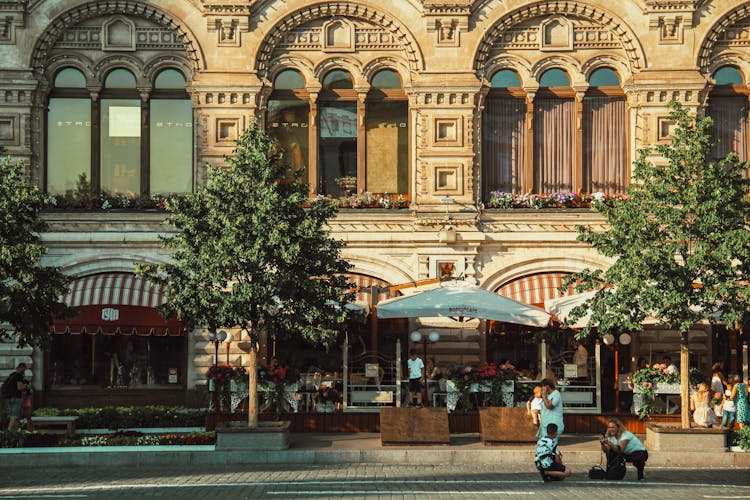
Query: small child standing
x=547, y=459
x=534, y=406
x=729, y=410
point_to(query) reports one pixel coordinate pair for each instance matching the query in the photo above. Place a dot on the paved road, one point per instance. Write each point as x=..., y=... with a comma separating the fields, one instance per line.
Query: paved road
x=358, y=481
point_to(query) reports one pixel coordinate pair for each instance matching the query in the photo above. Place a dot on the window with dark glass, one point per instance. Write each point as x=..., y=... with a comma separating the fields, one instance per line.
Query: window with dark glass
x=605, y=156
x=728, y=107
x=337, y=135
x=554, y=133
x=386, y=135
x=504, y=135
x=288, y=118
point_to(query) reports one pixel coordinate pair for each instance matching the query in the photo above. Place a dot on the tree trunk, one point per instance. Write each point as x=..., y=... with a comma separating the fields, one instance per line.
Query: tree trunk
x=252, y=388
x=685, y=381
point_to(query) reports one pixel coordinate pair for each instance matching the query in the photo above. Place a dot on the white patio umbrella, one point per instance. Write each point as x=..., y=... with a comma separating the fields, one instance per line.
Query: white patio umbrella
x=463, y=302
x=561, y=307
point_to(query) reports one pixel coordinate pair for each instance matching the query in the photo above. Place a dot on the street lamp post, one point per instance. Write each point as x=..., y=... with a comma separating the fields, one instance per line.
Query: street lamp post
x=609, y=340
x=217, y=338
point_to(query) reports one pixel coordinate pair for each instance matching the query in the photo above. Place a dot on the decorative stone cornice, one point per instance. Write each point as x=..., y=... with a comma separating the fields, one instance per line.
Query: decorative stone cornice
x=228, y=19
x=12, y=17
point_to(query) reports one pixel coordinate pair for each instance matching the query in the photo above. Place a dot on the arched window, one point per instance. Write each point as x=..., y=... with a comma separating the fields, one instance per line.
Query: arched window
x=136, y=147
x=171, y=123
x=605, y=156
x=360, y=145
x=728, y=107
x=289, y=117
x=554, y=133
x=386, y=135
x=504, y=135
x=68, y=131
x=338, y=139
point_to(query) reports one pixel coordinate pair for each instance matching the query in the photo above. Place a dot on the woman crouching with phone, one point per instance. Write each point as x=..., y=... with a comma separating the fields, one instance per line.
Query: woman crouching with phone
x=617, y=440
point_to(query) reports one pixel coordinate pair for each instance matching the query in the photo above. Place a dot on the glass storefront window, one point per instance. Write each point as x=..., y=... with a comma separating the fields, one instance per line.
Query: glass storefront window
x=121, y=146
x=387, y=147
x=115, y=360
x=171, y=146
x=68, y=143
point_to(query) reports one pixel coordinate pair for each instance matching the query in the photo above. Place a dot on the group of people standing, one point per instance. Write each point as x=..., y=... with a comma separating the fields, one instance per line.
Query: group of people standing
x=730, y=401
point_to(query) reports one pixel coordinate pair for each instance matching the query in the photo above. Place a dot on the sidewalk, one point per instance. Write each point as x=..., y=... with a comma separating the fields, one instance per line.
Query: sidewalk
x=579, y=451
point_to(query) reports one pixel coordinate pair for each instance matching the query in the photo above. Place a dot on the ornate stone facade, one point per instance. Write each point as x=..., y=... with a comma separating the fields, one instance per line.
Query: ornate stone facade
x=445, y=53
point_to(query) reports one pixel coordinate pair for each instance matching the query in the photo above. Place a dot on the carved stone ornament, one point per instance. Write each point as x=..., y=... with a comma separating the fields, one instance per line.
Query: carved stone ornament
x=447, y=19
x=670, y=18
x=12, y=16
x=228, y=19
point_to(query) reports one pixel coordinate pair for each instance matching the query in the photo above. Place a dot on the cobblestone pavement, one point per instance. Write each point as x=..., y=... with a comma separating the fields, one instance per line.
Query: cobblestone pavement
x=358, y=481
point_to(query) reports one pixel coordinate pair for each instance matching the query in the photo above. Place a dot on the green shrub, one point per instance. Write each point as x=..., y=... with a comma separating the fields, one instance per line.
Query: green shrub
x=741, y=438
x=12, y=439
x=122, y=417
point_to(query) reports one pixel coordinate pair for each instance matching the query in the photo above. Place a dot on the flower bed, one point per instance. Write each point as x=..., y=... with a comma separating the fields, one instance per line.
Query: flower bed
x=494, y=380
x=24, y=439
x=501, y=199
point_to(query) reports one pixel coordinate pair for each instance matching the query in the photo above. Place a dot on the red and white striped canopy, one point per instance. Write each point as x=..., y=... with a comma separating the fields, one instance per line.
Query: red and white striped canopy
x=534, y=289
x=116, y=303
x=114, y=288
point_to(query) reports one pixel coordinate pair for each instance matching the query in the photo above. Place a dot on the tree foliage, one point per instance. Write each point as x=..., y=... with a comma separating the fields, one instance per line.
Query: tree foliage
x=29, y=292
x=248, y=252
x=679, y=240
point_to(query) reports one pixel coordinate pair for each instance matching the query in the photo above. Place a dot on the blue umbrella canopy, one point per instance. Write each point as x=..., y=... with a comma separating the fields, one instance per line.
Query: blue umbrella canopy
x=463, y=302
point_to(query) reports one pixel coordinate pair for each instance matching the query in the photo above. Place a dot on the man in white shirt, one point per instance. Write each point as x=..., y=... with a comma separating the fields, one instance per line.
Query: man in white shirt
x=671, y=367
x=416, y=377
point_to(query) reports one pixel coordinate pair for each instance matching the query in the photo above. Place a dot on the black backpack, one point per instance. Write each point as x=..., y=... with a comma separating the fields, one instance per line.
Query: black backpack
x=9, y=388
x=616, y=468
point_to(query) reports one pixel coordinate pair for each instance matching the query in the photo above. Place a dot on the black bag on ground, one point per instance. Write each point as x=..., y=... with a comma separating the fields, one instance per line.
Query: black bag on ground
x=596, y=472
x=615, y=468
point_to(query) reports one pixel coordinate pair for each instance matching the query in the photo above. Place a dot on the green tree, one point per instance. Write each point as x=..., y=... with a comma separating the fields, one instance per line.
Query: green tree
x=249, y=254
x=29, y=292
x=679, y=241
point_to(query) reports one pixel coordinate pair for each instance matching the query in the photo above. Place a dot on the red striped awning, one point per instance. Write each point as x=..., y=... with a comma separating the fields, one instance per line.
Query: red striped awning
x=364, y=282
x=534, y=289
x=116, y=303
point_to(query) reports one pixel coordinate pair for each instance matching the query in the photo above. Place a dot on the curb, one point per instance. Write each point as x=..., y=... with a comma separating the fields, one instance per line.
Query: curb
x=511, y=460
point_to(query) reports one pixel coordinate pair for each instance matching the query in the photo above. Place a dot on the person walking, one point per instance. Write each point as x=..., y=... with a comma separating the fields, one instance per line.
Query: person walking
x=16, y=385
x=617, y=440
x=552, y=409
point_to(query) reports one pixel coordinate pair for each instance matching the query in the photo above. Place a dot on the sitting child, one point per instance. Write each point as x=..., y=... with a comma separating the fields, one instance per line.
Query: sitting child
x=534, y=406
x=547, y=459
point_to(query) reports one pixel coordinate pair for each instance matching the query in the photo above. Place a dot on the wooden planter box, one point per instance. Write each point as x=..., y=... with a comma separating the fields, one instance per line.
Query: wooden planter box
x=665, y=437
x=506, y=424
x=414, y=426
